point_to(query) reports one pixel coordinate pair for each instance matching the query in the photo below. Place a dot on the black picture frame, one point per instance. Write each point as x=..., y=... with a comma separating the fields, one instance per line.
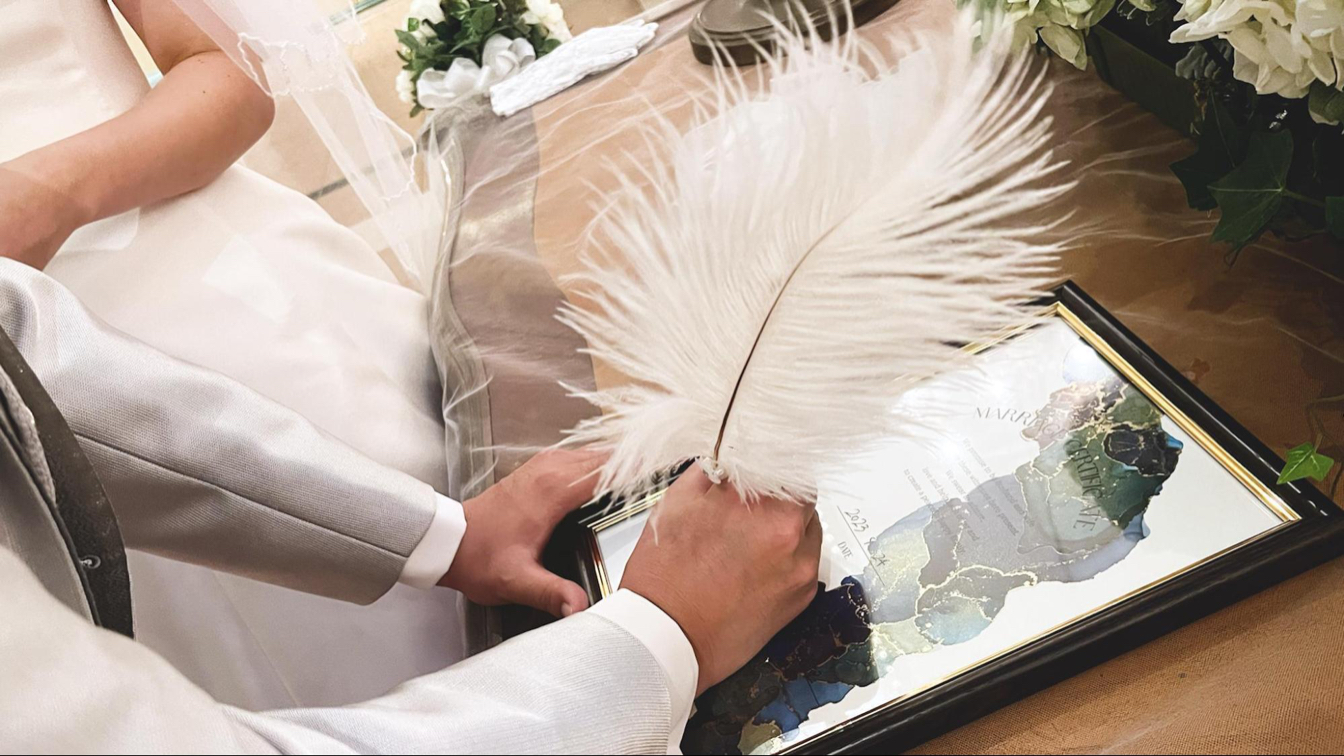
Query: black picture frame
x=1316, y=537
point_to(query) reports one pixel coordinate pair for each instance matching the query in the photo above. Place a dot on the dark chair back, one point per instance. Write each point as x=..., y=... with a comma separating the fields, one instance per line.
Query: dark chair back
x=81, y=511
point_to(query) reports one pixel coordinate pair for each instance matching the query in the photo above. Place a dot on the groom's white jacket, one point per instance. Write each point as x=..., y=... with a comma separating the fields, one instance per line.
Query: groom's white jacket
x=202, y=469
x=581, y=685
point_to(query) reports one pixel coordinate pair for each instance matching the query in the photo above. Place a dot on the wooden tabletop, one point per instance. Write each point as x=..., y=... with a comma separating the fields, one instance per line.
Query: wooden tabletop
x=1262, y=335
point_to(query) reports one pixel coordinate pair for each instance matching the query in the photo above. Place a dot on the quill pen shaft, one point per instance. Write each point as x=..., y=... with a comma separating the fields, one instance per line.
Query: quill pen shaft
x=742, y=374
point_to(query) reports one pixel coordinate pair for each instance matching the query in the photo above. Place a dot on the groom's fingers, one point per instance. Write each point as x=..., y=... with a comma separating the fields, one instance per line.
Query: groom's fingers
x=575, y=476
x=544, y=590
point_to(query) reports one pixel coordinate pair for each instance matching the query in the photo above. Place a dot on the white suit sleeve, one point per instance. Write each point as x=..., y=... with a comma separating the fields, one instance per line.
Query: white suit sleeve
x=581, y=685
x=665, y=640
x=202, y=469
x=430, y=559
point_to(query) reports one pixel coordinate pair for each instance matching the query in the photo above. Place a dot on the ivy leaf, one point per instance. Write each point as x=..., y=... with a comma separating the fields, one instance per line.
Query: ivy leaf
x=408, y=39
x=482, y=19
x=1251, y=195
x=1222, y=145
x=1306, y=461
x=1334, y=216
x=1327, y=155
x=1326, y=103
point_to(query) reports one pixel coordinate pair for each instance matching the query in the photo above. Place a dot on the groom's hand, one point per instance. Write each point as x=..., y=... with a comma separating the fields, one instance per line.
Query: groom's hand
x=731, y=574
x=499, y=559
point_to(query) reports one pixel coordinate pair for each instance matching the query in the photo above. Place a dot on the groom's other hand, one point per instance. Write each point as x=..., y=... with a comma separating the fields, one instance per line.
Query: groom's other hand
x=499, y=559
x=732, y=574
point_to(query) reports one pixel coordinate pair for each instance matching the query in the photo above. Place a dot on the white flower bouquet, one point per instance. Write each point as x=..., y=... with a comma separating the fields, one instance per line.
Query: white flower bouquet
x=1268, y=82
x=456, y=48
x=1060, y=25
x=1283, y=47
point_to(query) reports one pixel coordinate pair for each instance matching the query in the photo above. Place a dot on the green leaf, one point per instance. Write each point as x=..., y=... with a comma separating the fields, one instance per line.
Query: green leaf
x=1326, y=102
x=1306, y=461
x=1222, y=145
x=408, y=39
x=482, y=19
x=1334, y=216
x=1327, y=156
x=1251, y=195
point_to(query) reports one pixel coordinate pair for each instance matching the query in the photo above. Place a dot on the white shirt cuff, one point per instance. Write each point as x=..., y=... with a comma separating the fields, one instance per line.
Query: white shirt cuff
x=430, y=559
x=663, y=637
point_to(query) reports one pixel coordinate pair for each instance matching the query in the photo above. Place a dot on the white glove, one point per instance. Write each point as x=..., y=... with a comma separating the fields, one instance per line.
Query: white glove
x=592, y=52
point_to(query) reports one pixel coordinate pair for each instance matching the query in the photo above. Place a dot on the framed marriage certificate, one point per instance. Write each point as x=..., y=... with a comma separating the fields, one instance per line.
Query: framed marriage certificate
x=1079, y=498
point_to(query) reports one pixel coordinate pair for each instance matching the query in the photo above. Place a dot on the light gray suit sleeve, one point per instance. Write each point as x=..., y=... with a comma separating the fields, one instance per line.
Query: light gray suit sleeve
x=200, y=468
x=581, y=685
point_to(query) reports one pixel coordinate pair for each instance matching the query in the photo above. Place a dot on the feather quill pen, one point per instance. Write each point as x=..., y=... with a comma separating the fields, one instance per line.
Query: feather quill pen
x=790, y=265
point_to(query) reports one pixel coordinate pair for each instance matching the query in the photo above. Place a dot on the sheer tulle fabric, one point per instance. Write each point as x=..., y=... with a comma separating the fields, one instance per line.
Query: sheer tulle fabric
x=297, y=49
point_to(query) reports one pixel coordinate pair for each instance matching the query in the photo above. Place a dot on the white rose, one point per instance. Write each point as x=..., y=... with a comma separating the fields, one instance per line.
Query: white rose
x=426, y=32
x=405, y=87
x=559, y=30
x=1321, y=22
x=550, y=15
x=1318, y=19
x=540, y=9
x=426, y=10
x=1060, y=24
x=1255, y=64
x=1281, y=46
x=1192, y=9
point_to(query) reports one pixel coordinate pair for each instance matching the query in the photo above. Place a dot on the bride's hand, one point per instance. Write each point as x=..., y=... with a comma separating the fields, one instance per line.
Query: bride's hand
x=35, y=220
x=499, y=559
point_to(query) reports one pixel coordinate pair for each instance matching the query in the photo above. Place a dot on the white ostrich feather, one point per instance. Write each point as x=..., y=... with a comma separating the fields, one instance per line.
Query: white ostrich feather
x=785, y=269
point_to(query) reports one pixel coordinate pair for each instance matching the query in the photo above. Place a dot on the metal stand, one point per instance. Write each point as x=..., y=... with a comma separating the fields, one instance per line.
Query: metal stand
x=737, y=31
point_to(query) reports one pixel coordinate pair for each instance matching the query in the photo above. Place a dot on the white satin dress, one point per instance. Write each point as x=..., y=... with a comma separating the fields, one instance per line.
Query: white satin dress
x=257, y=282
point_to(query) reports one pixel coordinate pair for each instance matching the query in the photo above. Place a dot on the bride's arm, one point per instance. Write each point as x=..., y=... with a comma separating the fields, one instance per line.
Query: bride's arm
x=201, y=118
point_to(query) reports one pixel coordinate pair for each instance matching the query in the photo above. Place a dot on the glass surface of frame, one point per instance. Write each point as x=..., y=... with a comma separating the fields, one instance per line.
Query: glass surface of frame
x=1058, y=482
